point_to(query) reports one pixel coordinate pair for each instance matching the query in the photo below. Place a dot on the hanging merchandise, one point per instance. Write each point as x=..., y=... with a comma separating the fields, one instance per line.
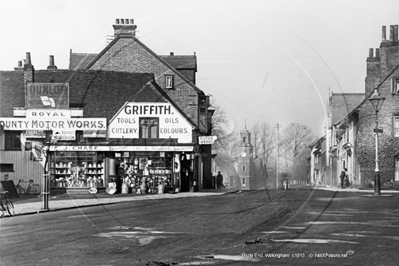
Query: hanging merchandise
x=177, y=163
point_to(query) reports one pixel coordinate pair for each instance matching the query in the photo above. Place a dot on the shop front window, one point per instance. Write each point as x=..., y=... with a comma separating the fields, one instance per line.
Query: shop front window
x=149, y=128
x=145, y=172
x=77, y=169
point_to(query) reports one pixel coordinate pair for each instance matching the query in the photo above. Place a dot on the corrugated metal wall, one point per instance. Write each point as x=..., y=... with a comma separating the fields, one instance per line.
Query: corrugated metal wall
x=25, y=167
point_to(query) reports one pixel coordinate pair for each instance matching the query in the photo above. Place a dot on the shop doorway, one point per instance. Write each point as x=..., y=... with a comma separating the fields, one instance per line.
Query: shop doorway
x=186, y=173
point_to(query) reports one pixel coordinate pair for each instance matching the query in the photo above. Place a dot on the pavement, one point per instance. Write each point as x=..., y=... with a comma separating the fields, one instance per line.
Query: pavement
x=32, y=204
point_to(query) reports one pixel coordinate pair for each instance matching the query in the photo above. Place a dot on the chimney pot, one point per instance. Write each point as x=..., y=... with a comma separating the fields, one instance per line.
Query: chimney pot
x=28, y=61
x=384, y=33
x=392, y=33
x=19, y=63
x=51, y=63
x=126, y=21
x=117, y=21
x=396, y=32
x=122, y=21
x=371, y=52
x=377, y=52
x=51, y=60
x=131, y=21
x=172, y=54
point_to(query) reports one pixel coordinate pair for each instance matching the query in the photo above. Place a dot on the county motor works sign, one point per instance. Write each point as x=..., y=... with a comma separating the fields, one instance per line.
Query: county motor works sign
x=47, y=96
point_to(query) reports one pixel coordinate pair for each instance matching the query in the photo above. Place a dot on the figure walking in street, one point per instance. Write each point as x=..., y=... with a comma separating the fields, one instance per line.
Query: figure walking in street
x=342, y=176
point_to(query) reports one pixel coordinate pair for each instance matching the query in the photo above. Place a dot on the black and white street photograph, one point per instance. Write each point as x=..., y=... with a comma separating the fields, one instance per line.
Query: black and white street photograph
x=199, y=132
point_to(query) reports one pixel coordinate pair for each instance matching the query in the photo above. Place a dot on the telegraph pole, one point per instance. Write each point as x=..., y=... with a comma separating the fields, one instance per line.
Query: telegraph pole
x=278, y=155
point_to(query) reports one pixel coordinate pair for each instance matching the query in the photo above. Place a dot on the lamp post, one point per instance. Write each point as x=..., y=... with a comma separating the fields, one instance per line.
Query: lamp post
x=376, y=101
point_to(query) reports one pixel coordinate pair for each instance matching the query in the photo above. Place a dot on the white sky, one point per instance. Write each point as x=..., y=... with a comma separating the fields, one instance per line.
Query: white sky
x=269, y=60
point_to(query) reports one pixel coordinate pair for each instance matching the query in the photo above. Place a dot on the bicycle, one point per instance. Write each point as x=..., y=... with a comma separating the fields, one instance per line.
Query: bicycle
x=6, y=206
x=27, y=190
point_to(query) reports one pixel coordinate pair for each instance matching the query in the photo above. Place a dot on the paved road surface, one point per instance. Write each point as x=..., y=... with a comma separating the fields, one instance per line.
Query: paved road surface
x=310, y=227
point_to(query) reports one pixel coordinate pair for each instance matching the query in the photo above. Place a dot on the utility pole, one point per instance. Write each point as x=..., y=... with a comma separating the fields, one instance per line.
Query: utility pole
x=278, y=155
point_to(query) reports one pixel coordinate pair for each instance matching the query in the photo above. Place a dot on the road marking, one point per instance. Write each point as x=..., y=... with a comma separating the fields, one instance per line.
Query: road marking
x=83, y=216
x=358, y=235
x=334, y=214
x=292, y=227
x=228, y=257
x=274, y=232
x=313, y=241
x=361, y=223
x=142, y=235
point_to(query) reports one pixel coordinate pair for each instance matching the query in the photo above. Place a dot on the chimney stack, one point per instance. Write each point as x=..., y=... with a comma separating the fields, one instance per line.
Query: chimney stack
x=51, y=63
x=124, y=26
x=28, y=69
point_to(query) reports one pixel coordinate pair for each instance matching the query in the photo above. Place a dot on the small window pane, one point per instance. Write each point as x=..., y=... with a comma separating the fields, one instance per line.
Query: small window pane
x=12, y=140
x=149, y=128
x=396, y=126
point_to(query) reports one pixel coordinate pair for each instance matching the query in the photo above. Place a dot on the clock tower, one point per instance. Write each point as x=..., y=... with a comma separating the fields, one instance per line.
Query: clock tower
x=245, y=161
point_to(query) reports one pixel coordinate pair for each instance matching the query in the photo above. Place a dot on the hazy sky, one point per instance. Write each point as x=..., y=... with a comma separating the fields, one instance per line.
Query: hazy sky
x=269, y=60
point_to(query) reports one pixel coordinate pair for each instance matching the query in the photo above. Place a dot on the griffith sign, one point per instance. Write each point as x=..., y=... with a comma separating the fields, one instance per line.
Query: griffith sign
x=166, y=122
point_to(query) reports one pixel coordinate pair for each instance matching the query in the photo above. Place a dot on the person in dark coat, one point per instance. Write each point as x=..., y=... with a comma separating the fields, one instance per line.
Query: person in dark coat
x=219, y=180
x=346, y=178
x=342, y=176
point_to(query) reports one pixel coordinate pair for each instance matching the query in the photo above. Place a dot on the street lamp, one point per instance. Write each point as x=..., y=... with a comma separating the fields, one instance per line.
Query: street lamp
x=376, y=101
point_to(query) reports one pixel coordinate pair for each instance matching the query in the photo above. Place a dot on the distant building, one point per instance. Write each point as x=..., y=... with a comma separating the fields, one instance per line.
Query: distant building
x=251, y=171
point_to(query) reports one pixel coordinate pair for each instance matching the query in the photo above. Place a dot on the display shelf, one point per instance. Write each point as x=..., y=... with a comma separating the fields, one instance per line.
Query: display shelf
x=79, y=170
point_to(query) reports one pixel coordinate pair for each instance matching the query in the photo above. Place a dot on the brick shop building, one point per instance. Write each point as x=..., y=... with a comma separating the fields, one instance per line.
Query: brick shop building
x=107, y=126
x=175, y=74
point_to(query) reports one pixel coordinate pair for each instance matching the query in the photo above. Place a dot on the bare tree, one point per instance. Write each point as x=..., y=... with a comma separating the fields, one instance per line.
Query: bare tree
x=219, y=124
x=267, y=142
x=295, y=141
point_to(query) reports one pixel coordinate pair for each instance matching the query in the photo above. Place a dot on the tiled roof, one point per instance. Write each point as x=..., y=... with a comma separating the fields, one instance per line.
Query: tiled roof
x=101, y=93
x=198, y=90
x=12, y=93
x=343, y=103
x=181, y=61
x=80, y=60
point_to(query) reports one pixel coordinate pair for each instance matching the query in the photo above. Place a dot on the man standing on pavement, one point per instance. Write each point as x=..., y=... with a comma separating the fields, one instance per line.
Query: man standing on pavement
x=219, y=180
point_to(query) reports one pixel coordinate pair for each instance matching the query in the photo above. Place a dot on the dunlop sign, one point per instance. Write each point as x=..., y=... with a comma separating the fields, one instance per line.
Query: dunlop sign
x=12, y=123
x=47, y=96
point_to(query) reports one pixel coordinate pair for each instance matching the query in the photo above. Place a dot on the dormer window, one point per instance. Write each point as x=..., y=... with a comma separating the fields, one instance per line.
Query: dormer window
x=395, y=85
x=169, y=82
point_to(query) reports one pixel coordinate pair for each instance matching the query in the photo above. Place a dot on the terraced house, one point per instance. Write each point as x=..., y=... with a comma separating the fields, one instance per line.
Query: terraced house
x=351, y=138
